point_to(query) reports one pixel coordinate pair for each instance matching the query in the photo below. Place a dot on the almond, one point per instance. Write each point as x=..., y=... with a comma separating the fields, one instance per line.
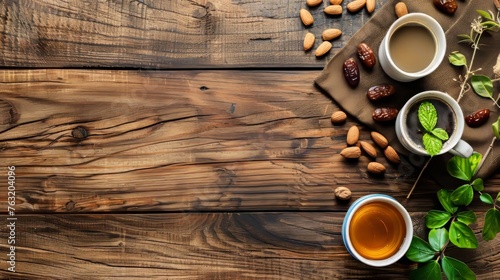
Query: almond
x=400, y=9
x=370, y=6
x=368, y=148
x=330, y=34
x=336, y=2
x=379, y=139
x=333, y=10
x=376, y=168
x=391, y=154
x=313, y=3
x=356, y=5
x=338, y=117
x=351, y=152
x=352, y=135
x=306, y=17
x=309, y=41
x=323, y=48
x=342, y=193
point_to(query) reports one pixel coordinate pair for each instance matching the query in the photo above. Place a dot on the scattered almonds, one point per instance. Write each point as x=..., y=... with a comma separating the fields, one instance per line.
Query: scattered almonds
x=376, y=168
x=309, y=41
x=330, y=34
x=352, y=135
x=338, y=117
x=342, y=193
x=400, y=9
x=306, y=17
x=323, y=48
x=379, y=139
x=333, y=10
x=391, y=154
x=356, y=5
x=370, y=6
x=313, y=3
x=368, y=148
x=351, y=152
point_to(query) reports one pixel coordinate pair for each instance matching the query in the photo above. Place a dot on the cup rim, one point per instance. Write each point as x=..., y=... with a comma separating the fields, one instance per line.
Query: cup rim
x=446, y=98
x=406, y=241
x=440, y=52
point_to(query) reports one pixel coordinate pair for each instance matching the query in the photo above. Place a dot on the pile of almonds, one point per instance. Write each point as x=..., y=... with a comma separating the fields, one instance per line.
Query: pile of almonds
x=334, y=9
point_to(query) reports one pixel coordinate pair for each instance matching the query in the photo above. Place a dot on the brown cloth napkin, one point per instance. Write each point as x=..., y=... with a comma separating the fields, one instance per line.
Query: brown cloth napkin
x=355, y=102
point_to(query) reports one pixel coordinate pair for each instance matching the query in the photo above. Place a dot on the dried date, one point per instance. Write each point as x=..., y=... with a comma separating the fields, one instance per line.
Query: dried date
x=366, y=55
x=477, y=118
x=447, y=6
x=351, y=72
x=385, y=114
x=380, y=91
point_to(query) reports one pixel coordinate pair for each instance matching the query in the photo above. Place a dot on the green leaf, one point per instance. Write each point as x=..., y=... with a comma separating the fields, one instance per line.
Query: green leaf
x=436, y=218
x=478, y=184
x=484, y=14
x=496, y=128
x=429, y=271
x=486, y=198
x=491, y=224
x=455, y=269
x=440, y=133
x=444, y=198
x=464, y=168
x=489, y=25
x=498, y=196
x=482, y=85
x=462, y=235
x=432, y=144
x=474, y=161
x=420, y=251
x=438, y=237
x=456, y=58
x=467, y=217
x=427, y=115
x=463, y=195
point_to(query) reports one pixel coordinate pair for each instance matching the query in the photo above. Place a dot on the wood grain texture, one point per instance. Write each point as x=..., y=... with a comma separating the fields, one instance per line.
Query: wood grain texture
x=164, y=34
x=203, y=246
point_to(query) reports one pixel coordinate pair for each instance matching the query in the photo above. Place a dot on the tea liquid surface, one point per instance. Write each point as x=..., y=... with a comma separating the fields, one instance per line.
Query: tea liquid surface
x=377, y=230
x=412, y=47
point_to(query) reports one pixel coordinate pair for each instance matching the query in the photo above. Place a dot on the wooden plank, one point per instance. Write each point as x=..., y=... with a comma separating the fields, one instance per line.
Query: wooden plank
x=183, y=141
x=164, y=34
x=202, y=246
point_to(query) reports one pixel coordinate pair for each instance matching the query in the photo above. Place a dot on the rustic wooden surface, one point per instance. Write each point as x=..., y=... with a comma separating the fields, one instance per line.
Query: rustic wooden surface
x=203, y=173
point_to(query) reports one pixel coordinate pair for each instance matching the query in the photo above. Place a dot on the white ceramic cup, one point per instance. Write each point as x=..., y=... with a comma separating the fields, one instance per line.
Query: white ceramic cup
x=408, y=225
x=387, y=63
x=455, y=145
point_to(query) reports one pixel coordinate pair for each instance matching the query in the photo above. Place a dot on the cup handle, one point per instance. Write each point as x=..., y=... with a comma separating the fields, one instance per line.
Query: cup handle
x=462, y=149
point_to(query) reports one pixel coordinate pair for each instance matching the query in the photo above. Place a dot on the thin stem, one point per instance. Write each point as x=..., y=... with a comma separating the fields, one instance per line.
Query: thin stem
x=418, y=178
x=468, y=72
x=486, y=154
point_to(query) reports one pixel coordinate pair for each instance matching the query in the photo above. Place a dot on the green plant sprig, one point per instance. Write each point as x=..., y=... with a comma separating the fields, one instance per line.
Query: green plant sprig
x=452, y=225
x=434, y=136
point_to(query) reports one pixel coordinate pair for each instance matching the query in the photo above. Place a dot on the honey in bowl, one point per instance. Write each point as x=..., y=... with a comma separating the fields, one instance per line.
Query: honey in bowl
x=377, y=230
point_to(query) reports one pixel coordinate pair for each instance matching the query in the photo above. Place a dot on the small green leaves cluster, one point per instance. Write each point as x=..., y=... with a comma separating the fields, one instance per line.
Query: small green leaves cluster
x=481, y=84
x=434, y=136
x=452, y=225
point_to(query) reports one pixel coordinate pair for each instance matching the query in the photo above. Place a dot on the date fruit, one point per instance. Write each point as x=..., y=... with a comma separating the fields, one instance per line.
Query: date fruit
x=380, y=91
x=385, y=114
x=366, y=55
x=477, y=118
x=351, y=72
x=447, y=6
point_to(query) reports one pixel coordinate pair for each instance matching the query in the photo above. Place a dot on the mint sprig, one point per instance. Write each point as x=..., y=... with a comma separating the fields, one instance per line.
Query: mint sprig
x=434, y=136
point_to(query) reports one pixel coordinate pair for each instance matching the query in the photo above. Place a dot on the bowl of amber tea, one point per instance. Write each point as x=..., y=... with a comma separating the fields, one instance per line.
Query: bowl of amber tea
x=377, y=230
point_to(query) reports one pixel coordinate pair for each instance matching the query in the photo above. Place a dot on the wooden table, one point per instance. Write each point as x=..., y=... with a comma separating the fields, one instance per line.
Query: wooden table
x=184, y=140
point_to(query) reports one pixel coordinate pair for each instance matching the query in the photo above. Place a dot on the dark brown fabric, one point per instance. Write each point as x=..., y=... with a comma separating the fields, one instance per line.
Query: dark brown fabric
x=355, y=102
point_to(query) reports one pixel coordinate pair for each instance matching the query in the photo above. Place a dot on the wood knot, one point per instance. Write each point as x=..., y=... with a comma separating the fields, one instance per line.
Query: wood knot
x=70, y=205
x=8, y=113
x=79, y=132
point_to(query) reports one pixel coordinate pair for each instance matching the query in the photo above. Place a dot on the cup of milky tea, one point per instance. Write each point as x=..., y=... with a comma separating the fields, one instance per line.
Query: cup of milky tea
x=412, y=48
x=450, y=117
x=377, y=230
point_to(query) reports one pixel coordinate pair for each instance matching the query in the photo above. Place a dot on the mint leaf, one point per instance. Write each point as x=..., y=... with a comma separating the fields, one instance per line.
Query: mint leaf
x=463, y=195
x=491, y=224
x=420, y=251
x=429, y=271
x=455, y=269
x=444, y=198
x=456, y=58
x=467, y=217
x=436, y=218
x=438, y=238
x=440, y=133
x=427, y=115
x=432, y=144
x=462, y=235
